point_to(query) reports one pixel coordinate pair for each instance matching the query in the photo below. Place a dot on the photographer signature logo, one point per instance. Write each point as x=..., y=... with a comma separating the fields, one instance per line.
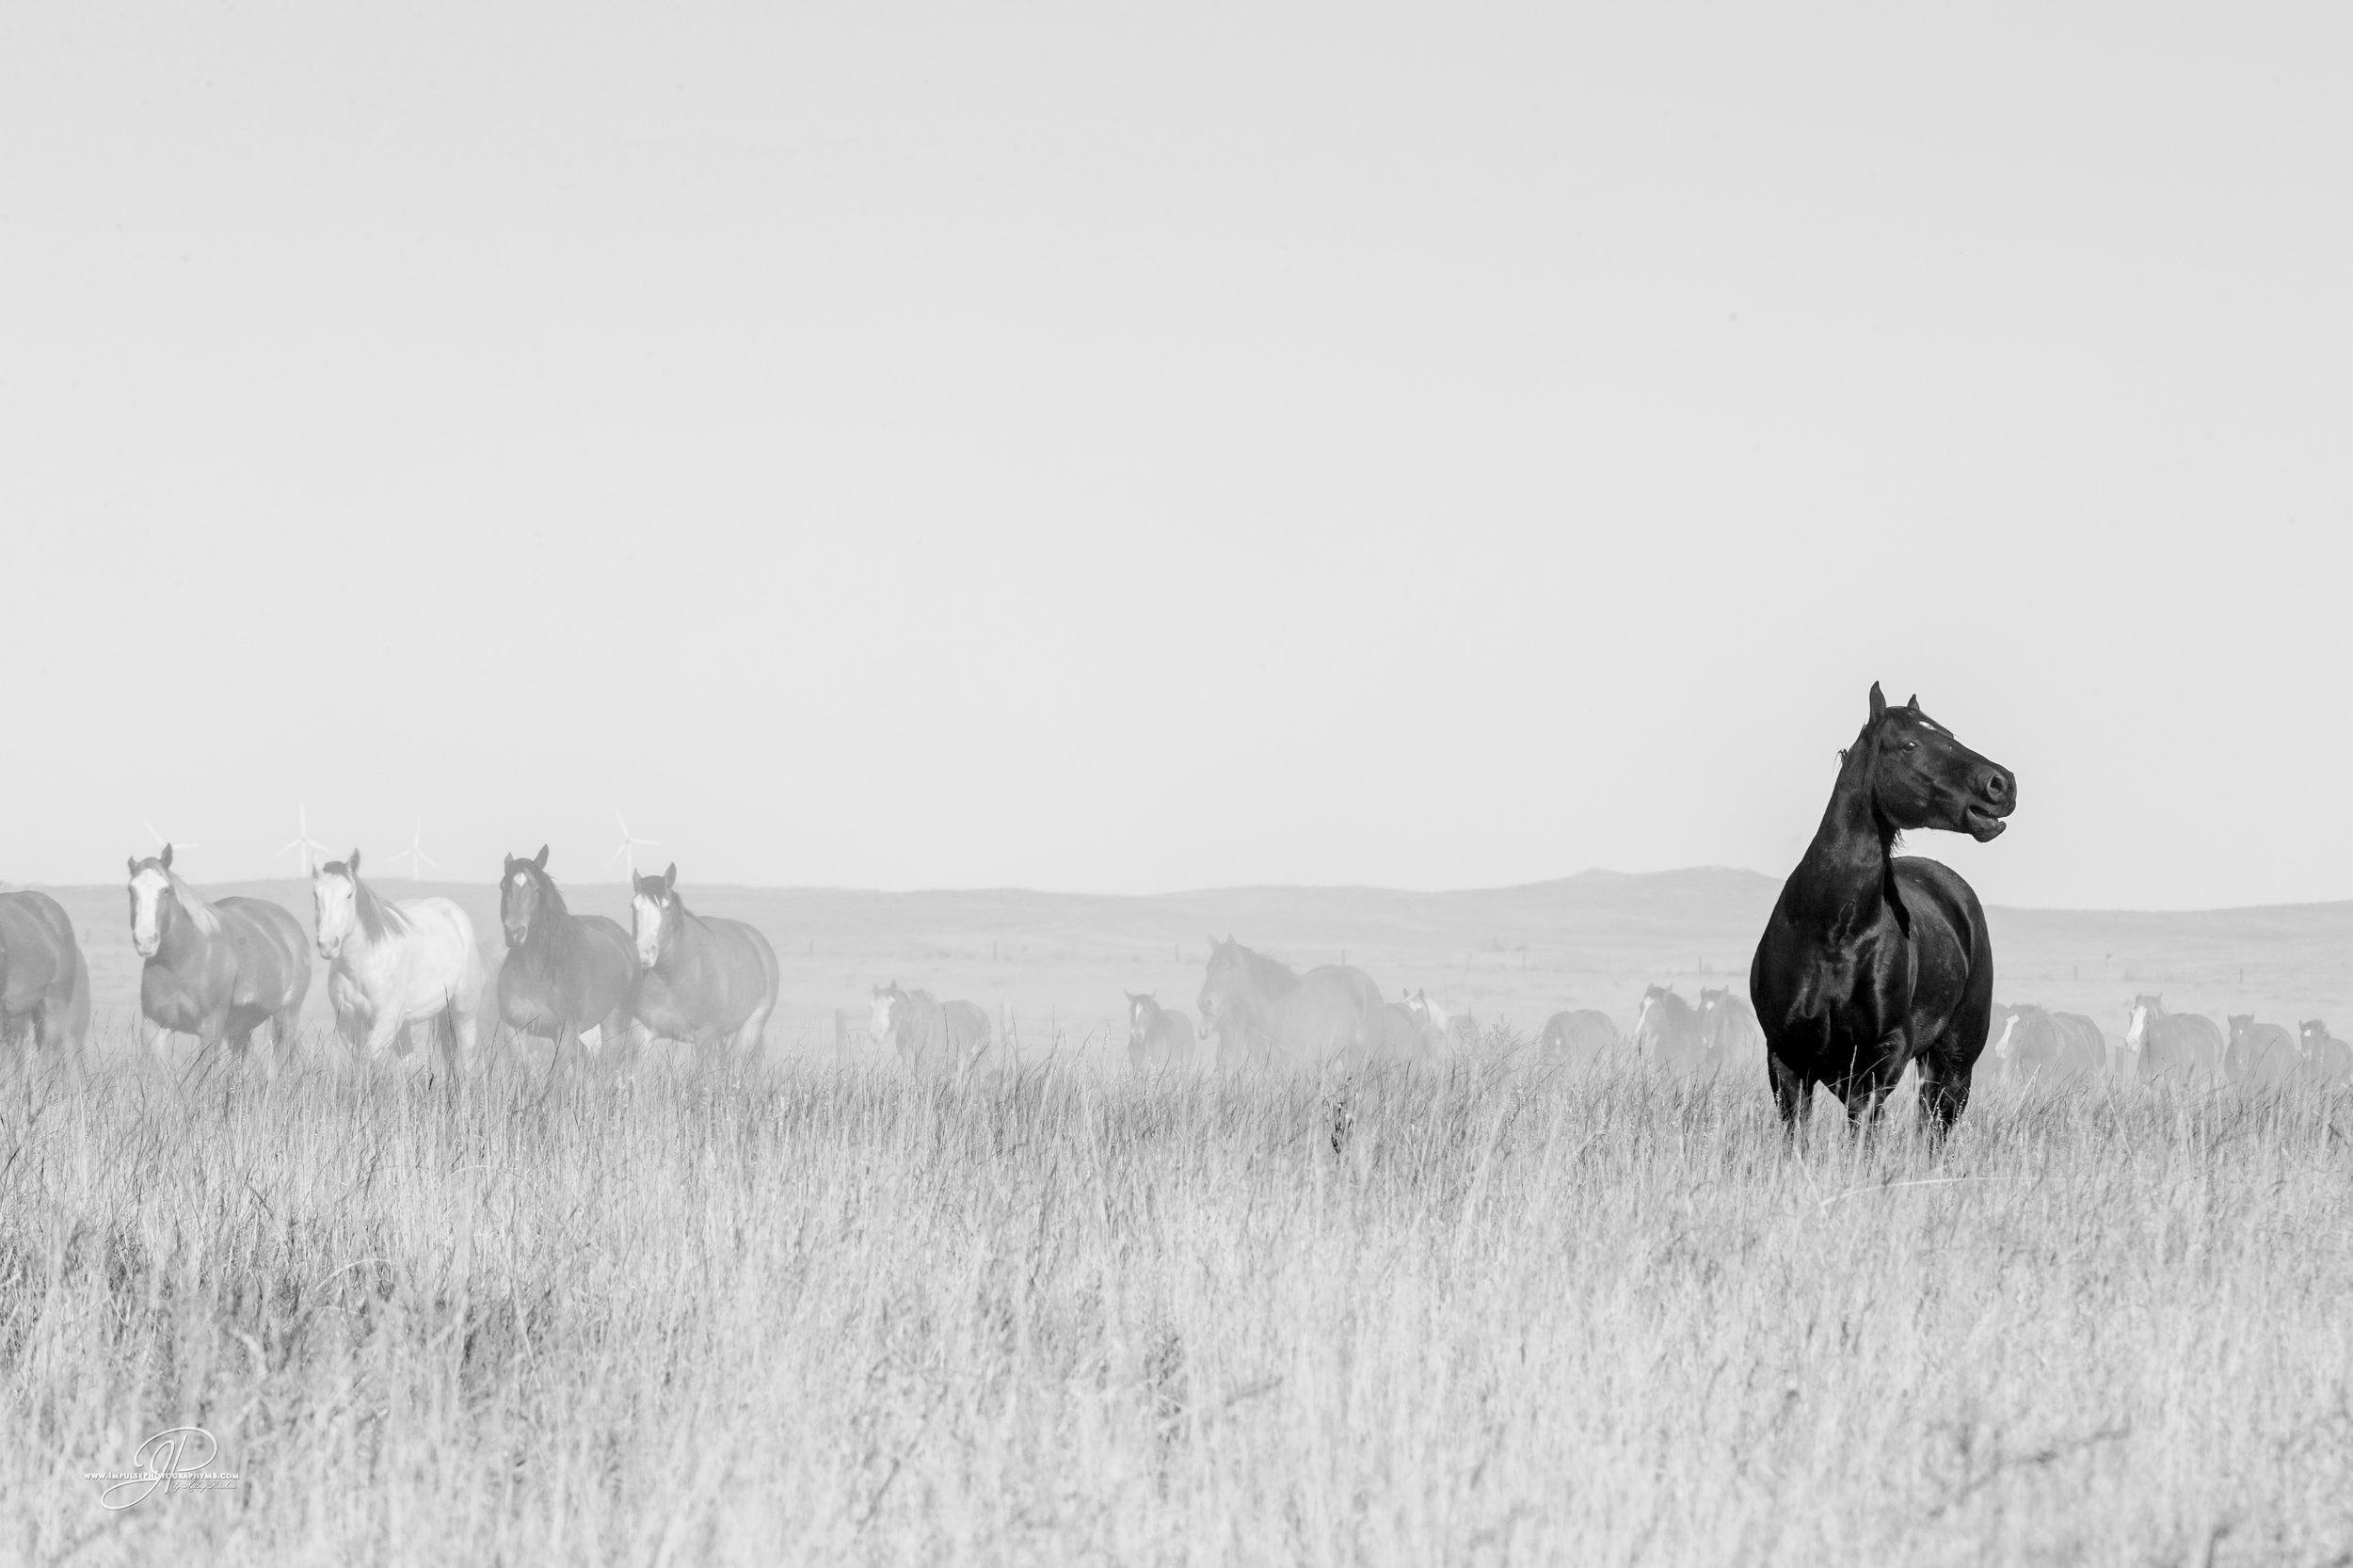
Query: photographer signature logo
x=174, y=1460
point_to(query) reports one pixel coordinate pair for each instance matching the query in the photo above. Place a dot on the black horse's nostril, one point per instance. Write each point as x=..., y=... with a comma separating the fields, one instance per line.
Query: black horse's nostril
x=1996, y=786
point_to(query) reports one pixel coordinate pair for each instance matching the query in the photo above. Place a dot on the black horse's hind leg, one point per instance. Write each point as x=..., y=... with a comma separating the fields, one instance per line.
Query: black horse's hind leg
x=1943, y=1091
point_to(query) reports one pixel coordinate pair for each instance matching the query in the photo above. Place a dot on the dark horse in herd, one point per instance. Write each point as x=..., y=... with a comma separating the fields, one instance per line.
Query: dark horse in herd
x=1871, y=963
x=567, y=978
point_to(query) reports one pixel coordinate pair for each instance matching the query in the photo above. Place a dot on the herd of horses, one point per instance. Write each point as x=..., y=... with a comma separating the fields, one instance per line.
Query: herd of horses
x=1869, y=964
x=400, y=974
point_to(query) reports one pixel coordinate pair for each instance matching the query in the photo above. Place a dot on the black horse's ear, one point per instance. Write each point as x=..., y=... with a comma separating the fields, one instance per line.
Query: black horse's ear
x=133, y=862
x=352, y=865
x=166, y=857
x=1915, y=703
x=540, y=859
x=1879, y=703
x=669, y=878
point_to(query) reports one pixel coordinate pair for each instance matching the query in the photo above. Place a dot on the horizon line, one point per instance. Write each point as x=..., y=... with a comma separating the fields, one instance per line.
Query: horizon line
x=1239, y=887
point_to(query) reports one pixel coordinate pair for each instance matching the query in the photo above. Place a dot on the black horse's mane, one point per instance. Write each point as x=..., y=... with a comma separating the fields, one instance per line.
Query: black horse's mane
x=1264, y=967
x=544, y=885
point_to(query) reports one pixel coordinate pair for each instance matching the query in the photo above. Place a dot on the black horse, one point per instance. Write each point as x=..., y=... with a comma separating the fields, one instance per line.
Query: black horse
x=566, y=977
x=1870, y=962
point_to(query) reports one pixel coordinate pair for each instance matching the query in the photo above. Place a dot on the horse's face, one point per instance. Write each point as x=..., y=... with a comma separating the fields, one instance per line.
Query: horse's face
x=151, y=903
x=519, y=901
x=2144, y=1008
x=1923, y=777
x=882, y=1023
x=2311, y=1033
x=653, y=915
x=1654, y=997
x=332, y=901
x=2242, y=1024
x=2002, y=1046
x=1141, y=1013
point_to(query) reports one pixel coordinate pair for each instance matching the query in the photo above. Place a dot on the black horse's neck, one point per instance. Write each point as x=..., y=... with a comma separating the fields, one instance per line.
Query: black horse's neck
x=1269, y=975
x=553, y=931
x=1849, y=871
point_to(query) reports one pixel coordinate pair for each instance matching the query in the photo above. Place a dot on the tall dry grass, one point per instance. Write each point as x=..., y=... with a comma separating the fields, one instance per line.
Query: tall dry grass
x=836, y=1315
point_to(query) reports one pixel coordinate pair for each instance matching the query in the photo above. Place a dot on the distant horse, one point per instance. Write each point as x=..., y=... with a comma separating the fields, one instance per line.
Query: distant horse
x=44, y=982
x=1667, y=1033
x=2170, y=1046
x=1158, y=1037
x=216, y=970
x=1869, y=964
x=2033, y=1044
x=1728, y=1028
x=390, y=966
x=703, y=980
x=566, y=978
x=2260, y=1056
x=1443, y=1033
x=1578, y=1039
x=927, y=1032
x=1266, y=1014
x=2327, y=1058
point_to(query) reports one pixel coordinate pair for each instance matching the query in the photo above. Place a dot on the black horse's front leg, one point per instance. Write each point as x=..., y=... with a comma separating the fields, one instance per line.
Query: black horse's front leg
x=1792, y=1092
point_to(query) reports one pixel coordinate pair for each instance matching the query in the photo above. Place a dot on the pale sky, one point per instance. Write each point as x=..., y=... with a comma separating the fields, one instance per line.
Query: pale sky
x=1129, y=449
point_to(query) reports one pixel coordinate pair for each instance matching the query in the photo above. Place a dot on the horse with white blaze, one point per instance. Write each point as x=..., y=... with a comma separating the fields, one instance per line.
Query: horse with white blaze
x=217, y=969
x=703, y=980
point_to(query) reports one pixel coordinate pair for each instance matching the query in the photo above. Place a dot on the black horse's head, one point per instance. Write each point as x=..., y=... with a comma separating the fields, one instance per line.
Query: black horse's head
x=523, y=888
x=1921, y=777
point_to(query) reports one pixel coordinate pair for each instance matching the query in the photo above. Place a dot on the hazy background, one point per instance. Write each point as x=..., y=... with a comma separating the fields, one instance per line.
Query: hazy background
x=1104, y=450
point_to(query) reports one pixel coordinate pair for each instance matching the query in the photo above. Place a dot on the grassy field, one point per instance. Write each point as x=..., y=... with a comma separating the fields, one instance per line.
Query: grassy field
x=823, y=1312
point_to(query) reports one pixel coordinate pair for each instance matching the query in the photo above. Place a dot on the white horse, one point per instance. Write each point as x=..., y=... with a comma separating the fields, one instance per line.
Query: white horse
x=1437, y=1026
x=393, y=964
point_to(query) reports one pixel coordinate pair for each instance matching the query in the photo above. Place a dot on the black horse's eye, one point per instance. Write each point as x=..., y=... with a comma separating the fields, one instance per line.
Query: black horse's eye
x=1912, y=745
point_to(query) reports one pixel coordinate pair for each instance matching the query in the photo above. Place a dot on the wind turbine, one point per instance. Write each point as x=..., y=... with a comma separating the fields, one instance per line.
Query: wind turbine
x=162, y=844
x=313, y=853
x=415, y=853
x=630, y=845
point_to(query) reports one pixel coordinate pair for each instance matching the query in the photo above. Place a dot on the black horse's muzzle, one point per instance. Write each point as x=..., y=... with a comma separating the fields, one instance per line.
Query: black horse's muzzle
x=1997, y=798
